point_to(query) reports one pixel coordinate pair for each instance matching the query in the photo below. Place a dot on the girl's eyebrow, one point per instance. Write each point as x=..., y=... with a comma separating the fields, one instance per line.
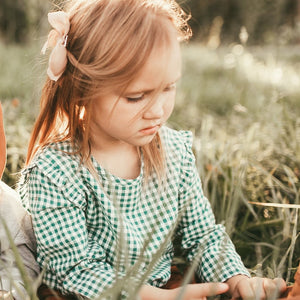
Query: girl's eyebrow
x=149, y=91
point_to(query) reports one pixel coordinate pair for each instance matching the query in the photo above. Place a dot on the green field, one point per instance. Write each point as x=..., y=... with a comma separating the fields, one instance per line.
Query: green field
x=243, y=105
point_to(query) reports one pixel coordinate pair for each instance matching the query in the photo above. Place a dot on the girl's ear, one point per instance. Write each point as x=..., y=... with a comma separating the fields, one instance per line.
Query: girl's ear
x=2, y=144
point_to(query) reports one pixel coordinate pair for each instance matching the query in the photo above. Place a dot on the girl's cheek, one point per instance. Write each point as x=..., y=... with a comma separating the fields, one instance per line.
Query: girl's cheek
x=171, y=103
x=168, y=112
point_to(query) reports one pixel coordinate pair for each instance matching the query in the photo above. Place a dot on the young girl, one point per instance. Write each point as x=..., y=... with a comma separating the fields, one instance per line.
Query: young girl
x=106, y=182
x=19, y=224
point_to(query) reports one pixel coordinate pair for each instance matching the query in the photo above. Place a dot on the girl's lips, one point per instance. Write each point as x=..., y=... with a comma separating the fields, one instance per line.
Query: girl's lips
x=150, y=130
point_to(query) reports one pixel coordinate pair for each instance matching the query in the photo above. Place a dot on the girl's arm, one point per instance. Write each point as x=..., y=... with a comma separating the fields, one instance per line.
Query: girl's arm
x=74, y=262
x=203, y=241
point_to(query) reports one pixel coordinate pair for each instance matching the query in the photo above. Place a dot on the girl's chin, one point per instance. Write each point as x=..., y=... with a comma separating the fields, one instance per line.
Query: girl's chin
x=144, y=140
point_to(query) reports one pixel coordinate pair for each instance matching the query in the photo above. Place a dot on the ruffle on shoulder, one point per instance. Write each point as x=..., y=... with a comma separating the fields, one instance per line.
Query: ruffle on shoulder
x=55, y=162
x=57, y=170
x=177, y=144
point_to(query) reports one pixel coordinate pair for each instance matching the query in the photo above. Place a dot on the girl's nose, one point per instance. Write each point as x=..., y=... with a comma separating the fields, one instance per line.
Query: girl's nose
x=156, y=109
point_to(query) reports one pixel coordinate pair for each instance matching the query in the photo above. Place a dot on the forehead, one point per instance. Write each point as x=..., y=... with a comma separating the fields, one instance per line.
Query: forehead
x=162, y=67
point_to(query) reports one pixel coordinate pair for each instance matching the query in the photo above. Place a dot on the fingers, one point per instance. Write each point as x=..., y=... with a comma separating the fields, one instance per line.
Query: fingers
x=212, y=289
x=257, y=285
x=244, y=289
x=256, y=288
x=281, y=284
x=202, y=290
x=274, y=287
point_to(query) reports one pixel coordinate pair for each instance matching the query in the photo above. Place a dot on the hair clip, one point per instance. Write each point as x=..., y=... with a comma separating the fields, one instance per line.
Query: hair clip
x=57, y=40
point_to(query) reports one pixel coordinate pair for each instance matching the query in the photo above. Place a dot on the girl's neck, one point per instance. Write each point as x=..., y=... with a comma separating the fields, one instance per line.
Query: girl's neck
x=119, y=159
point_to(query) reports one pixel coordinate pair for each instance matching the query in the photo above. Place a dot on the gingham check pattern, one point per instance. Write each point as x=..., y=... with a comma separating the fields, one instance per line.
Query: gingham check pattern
x=79, y=230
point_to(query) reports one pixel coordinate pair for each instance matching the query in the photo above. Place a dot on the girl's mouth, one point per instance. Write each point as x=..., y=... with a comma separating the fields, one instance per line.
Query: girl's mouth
x=150, y=130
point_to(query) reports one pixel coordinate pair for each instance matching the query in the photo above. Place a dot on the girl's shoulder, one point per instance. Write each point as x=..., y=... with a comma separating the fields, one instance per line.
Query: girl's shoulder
x=55, y=169
x=176, y=140
x=177, y=147
x=57, y=161
x=63, y=150
x=60, y=154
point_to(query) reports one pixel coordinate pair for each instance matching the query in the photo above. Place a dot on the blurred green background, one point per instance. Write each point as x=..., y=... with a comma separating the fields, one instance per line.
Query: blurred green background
x=240, y=95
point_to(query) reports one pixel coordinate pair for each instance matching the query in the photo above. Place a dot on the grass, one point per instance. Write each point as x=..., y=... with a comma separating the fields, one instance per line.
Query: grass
x=243, y=106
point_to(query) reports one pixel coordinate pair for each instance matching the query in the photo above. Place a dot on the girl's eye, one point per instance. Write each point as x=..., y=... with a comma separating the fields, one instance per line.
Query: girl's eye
x=135, y=98
x=170, y=87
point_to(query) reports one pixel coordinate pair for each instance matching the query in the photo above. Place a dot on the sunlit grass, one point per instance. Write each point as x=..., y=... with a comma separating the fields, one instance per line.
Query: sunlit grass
x=237, y=168
x=237, y=78
x=243, y=106
x=20, y=72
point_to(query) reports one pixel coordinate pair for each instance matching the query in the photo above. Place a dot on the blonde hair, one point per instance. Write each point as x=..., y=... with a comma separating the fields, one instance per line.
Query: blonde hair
x=108, y=43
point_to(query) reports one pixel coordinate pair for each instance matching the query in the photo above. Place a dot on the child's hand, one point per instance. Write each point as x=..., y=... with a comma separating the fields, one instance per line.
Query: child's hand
x=255, y=288
x=199, y=291
x=2, y=144
x=190, y=292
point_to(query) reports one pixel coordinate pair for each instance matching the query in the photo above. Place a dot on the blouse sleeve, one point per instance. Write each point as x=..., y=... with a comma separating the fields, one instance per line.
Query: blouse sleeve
x=72, y=263
x=202, y=239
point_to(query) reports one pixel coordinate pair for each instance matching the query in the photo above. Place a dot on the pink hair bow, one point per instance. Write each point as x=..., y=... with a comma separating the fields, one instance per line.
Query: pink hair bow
x=57, y=39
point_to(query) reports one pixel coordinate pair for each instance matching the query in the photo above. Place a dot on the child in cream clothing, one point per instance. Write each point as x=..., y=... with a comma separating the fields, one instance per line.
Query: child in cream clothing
x=20, y=227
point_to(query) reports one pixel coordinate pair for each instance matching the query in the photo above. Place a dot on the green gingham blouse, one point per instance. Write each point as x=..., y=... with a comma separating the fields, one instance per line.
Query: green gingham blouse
x=87, y=228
